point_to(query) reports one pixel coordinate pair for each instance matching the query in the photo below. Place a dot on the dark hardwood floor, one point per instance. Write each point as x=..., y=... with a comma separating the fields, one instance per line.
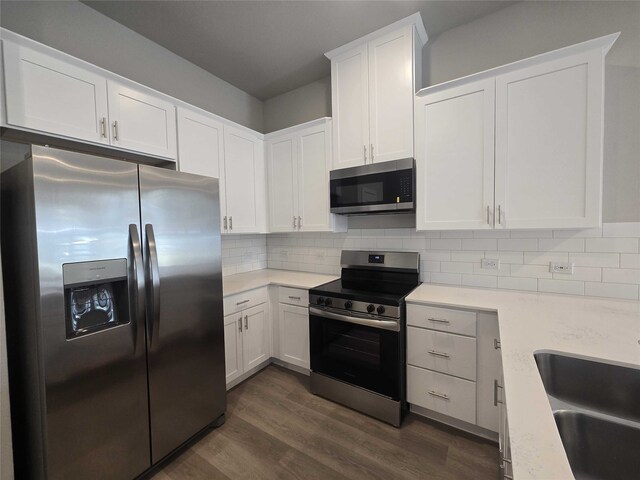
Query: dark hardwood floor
x=276, y=429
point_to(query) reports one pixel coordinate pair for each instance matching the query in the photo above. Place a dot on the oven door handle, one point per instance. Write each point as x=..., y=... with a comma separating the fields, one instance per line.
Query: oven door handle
x=382, y=324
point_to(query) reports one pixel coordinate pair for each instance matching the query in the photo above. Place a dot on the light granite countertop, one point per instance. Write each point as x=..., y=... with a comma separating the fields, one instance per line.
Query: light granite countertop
x=242, y=282
x=602, y=328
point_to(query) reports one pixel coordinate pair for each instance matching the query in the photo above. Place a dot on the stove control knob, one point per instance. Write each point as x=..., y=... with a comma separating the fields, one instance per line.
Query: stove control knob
x=348, y=304
x=380, y=310
x=327, y=302
x=370, y=308
x=320, y=301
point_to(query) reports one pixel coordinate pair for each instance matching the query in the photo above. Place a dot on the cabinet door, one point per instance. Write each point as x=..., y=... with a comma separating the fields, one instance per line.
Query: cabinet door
x=350, y=107
x=549, y=144
x=391, y=94
x=256, y=336
x=314, y=147
x=244, y=179
x=141, y=122
x=53, y=95
x=283, y=187
x=455, y=157
x=294, y=334
x=200, y=143
x=489, y=371
x=233, y=345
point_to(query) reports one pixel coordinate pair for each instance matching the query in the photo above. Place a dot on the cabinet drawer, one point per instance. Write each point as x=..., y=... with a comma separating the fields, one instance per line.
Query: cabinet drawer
x=442, y=393
x=442, y=352
x=443, y=319
x=242, y=301
x=293, y=296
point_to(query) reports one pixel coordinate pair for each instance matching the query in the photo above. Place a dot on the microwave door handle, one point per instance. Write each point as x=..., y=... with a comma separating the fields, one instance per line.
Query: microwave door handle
x=152, y=275
x=136, y=283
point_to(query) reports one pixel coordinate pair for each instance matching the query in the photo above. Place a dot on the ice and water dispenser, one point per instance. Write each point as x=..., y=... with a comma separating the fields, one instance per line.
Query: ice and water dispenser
x=96, y=296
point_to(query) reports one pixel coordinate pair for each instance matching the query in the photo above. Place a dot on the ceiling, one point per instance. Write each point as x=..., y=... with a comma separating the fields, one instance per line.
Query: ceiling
x=270, y=47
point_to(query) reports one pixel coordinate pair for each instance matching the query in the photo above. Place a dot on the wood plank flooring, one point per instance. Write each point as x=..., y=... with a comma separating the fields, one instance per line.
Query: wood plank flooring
x=276, y=429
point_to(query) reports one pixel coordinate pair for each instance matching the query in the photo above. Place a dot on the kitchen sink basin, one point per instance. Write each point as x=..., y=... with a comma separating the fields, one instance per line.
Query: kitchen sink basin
x=599, y=448
x=596, y=406
x=592, y=384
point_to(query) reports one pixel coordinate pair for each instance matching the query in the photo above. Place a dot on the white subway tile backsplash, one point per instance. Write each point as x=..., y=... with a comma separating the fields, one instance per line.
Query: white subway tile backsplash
x=569, y=287
x=621, y=275
x=608, y=255
x=619, y=245
x=561, y=245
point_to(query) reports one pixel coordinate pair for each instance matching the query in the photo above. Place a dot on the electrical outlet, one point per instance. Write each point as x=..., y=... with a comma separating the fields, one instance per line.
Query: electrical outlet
x=490, y=264
x=561, y=267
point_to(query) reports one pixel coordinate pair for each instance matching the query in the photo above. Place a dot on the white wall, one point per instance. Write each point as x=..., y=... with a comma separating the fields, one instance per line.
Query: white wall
x=79, y=30
x=607, y=260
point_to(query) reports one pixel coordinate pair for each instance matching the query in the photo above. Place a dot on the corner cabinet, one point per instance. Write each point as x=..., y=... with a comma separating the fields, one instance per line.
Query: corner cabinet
x=53, y=93
x=298, y=163
x=519, y=146
x=243, y=191
x=373, y=81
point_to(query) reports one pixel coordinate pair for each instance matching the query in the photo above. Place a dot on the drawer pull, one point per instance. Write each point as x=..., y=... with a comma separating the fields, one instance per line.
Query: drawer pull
x=439, y=354
x=496, y=386
x=439, y=395
x=243, y=302
x=496, y=344
x=294, y=298
x=439, y=320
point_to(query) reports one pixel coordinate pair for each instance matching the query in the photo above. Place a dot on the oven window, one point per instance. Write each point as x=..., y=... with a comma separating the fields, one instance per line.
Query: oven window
x=363, y=356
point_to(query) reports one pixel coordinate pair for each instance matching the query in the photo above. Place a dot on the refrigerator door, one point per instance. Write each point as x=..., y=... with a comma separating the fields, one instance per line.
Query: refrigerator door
x=185, y=331
x=89, y=316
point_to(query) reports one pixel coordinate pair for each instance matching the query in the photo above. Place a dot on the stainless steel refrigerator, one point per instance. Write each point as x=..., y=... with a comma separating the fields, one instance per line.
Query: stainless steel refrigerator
x=114, y=313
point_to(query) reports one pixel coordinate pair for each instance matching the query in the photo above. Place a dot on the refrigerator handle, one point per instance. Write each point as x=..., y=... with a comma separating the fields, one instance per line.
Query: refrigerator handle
x=136, y=278
x=152, y=277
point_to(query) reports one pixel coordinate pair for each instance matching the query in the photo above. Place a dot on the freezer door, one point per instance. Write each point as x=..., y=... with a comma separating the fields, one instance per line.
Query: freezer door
x=91, y=332
x=185, y=328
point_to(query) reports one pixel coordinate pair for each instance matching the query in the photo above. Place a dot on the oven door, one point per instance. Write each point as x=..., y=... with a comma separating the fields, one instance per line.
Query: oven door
x=356, y=353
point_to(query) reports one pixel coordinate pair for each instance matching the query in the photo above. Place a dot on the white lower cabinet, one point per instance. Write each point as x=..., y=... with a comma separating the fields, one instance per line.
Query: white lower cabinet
x=247, y=340
x=294, y=334
x=453, y=364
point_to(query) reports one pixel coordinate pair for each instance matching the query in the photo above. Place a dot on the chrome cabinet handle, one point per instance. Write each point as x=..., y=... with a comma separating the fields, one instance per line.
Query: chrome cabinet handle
x=372, y=153
x=240, y=324
x=299, y=223
x=365, y=153
x=488, y=216
x=439, y=354
x=246, y=322
x=230, y=223
x=439, y=395
x=152, y=277
x=137, y=276
x=499, y=215
x=294, y=222
x=115, y=130
x=438, y=320
x=243, y=302
x=225, y=222
x=496, y=344
x=103, y=127
x=496, y=386
x=294, y=298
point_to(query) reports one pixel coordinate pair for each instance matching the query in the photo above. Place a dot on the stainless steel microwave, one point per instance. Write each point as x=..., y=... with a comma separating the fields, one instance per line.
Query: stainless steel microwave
x=386, y=187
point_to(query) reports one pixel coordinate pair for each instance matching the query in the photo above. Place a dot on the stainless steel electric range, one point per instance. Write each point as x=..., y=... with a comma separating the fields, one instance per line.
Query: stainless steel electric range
x=357, y=329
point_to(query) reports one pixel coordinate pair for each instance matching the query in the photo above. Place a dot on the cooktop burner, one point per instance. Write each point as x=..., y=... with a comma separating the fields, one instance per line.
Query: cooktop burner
x=387, y=293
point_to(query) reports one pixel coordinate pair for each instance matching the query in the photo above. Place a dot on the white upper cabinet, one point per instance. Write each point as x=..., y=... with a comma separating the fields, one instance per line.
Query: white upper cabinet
x=298, y=163
x=200, y=143
x=243, y=195
x=549, y=144
x=373, y=82
x=455, y=158
x=54, y=95
x=141, y=121
x=519, y=146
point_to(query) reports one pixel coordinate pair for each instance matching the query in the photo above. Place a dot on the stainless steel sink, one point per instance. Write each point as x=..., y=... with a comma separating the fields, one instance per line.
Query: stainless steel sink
x=596, y=406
